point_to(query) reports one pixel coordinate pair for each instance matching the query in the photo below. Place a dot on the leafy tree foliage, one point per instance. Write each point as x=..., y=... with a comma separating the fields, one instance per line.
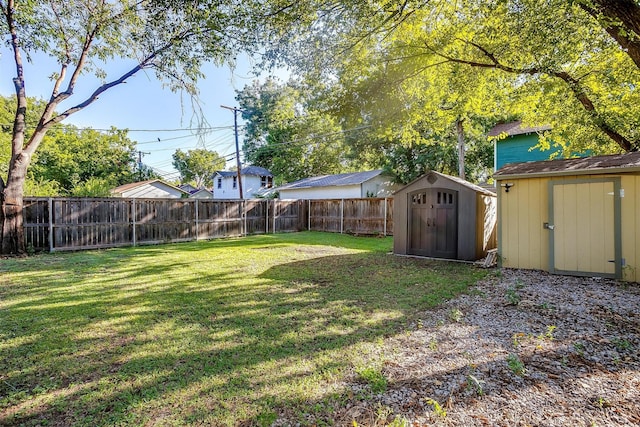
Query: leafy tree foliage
x=198, y=166
x=547, y=62
x=374, y=125
x=72, y=157
x=287, y=134
x=71, y=161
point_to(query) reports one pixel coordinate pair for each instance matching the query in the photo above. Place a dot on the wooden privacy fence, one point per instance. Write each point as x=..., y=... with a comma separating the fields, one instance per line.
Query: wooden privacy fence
x=57, y=224
x=354, y=216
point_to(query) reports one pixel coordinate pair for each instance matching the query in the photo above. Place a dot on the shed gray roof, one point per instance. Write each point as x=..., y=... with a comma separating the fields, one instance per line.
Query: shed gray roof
x=249, y=170
x=515, y=128
x=354, y=178
x=455, y=179
x=616, y=163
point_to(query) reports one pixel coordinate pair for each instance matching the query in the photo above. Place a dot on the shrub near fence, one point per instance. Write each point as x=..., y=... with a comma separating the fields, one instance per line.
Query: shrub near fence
x=57, y=224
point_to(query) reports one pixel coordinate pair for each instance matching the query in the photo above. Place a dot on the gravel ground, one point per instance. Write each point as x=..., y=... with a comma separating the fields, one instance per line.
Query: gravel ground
x=524, y=348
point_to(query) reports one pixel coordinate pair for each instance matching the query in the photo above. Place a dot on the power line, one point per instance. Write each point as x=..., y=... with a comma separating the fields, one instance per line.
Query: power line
x=314, y=137
x=172, y=139
x=197, y=129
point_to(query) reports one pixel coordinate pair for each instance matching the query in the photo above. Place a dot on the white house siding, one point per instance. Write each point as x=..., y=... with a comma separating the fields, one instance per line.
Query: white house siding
x=251, y=184
x=201, y=194
x=379, y=186
x=153, y=190
x=334, y=192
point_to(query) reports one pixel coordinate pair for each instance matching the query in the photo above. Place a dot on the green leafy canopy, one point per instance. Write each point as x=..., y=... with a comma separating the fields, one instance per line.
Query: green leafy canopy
x=198, y=166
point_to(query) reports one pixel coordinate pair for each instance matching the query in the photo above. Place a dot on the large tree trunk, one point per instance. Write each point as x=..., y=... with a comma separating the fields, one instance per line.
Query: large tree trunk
x=12, y=202
x=621, y=19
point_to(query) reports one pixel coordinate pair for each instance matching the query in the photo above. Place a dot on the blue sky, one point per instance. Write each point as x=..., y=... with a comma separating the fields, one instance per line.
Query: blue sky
x=146, y=108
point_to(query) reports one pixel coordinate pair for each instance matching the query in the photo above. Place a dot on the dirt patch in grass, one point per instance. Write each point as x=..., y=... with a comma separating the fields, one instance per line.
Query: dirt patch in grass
x=525, y=349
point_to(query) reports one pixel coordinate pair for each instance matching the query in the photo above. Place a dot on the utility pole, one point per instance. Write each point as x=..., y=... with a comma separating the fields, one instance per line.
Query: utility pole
x=461, y=150
x=140, y=155
x=238, y=163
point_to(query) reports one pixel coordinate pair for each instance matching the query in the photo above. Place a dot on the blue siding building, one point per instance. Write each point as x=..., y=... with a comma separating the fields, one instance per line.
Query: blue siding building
x=517, y=142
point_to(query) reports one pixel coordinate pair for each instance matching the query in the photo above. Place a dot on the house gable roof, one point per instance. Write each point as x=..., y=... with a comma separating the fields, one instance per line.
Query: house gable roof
x=188, y=188
x=126, y=187
x=515, y=128
x=616, y=163
x=455, y=179
x=355, y=178
x=249, y=170
x=200, y=191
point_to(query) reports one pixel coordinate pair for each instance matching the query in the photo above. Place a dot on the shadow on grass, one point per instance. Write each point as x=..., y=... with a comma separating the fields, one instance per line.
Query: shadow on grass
x=114, y=337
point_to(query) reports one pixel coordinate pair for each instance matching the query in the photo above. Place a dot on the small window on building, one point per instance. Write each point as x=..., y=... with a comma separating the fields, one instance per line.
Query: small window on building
x=235, y=182
x=219, y=182
x=266, y=181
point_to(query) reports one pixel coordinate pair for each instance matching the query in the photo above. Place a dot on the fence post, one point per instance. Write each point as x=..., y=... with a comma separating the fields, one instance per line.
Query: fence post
x=197, y=227
x=385, y=217
x=266, y=216
x=275, y=210
x=309, y=215
x=51, y=245
x=244, y=215
x=341, y=216
x=133, y=220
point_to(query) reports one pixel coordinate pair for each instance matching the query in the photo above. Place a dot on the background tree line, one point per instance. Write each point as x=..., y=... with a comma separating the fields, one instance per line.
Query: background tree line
x=73, y=161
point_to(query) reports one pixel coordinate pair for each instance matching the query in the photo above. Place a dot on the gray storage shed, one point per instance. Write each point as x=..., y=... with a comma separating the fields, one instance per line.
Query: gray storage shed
x=443, y=216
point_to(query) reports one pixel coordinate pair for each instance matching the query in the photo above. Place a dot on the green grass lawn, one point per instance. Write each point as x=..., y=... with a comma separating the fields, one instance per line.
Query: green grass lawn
x=224, y=332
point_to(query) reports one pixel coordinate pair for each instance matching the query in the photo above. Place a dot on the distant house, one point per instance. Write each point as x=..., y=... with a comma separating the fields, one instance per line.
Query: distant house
x=255, y=180
x=514, y=144
x=342, y=186
x=188, y=188
x=201, y=193
x=196, y=193
x=150, y=189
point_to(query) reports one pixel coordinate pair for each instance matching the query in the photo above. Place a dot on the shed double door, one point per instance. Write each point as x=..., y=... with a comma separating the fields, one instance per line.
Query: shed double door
x=585, y=227
x=433, y=223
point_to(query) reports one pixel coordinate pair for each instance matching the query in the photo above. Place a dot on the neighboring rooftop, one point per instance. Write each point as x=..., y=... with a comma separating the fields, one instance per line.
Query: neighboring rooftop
x=354, y=178
x=125, y=187
x=627, y=162
x=249, y=170
x=515, y=128
x=188, y=188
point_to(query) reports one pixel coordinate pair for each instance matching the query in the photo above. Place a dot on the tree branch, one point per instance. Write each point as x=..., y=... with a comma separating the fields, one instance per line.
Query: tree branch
x=89, y=39
x=621, y=21
x=400, y=12
x=148, y=61
x=574, y=85
x=281, y=9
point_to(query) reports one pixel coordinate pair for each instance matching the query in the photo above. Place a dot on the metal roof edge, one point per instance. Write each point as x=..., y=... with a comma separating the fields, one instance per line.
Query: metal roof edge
x=295, y=185
x=322, y=186
x=602, y=171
